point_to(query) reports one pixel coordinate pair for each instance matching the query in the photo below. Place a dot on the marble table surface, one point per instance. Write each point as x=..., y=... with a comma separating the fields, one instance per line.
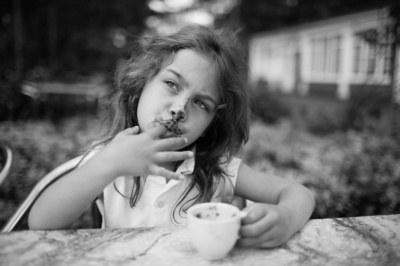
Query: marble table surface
x=372, y=240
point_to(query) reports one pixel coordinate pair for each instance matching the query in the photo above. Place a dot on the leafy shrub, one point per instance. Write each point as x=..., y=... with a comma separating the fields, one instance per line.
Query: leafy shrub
x=374, y=177
x=350, y=174
x=366, y=108
x=38, y=147
x=267, y=106
x=323, y=123
x=14, y=104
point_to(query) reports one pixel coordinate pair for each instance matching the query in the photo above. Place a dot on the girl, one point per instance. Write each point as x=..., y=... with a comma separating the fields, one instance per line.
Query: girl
x=180, y=117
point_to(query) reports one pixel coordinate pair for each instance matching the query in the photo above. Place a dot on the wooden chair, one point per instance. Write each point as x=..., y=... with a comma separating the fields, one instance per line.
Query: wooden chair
x=15, y=222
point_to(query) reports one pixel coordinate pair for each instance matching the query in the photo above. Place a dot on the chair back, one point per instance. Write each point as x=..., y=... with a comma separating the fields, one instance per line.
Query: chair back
x=48, y=179
x=6, y=153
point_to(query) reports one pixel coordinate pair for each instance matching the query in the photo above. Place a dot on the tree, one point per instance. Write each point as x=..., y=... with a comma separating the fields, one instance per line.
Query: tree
x=387, y=38
x=67, y=35
x=260, y=15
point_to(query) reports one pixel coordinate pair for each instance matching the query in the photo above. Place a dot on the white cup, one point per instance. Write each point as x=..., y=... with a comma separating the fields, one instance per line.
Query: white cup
x=214, y=228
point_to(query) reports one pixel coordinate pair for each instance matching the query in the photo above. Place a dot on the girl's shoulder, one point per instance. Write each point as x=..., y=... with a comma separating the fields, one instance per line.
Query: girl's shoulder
x=227, y=162
x=231, y=166
x=225, y=185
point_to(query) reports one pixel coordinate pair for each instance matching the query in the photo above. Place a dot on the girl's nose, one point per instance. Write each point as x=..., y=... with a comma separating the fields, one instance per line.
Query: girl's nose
x=178, y=113
x=178, y=110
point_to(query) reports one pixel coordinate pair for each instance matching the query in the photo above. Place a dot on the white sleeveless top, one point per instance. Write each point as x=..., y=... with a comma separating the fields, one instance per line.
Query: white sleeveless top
x=157, y=203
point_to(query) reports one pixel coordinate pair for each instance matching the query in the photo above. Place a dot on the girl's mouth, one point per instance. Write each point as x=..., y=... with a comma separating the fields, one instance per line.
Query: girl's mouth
x=173, y=130
x=171, y=124
x=172, y=127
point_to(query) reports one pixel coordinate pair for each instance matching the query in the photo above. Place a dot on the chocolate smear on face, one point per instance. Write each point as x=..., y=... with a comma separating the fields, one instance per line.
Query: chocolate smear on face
x=171, y=124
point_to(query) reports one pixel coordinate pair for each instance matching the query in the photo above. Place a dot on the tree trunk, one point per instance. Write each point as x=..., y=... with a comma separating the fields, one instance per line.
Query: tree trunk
x=18, y=42
x=52, y=24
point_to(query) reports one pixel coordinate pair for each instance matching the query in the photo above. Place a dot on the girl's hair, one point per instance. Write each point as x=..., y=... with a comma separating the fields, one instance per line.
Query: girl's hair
x=227, y=132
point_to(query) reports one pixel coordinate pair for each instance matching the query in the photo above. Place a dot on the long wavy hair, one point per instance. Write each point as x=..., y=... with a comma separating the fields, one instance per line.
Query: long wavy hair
x=228, y=131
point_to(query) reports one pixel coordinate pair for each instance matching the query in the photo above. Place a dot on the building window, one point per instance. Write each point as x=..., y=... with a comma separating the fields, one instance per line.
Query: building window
x=326, y=55
x=370, y=58
x=357, y=56
x=386, y=59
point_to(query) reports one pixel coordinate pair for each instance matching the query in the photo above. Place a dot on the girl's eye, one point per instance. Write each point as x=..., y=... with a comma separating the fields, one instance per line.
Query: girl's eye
x=201, y=105
x=172, y=85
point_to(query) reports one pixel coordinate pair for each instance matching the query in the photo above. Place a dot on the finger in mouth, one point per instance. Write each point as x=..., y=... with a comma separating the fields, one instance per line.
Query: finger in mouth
x=172, y=127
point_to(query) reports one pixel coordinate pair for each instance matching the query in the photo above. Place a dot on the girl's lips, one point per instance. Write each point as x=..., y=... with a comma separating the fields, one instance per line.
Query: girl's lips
x=170, y=122
x=169, y=134
x=173, y=129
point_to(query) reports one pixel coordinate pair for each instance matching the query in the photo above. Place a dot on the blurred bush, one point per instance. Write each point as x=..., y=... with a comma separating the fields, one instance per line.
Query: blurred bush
x=368, y=109
x=323, y=123
x=13, y=104
x=267, y=106
x=373, y=174
x=53, y=100
x=38, y=147
x=350, y=174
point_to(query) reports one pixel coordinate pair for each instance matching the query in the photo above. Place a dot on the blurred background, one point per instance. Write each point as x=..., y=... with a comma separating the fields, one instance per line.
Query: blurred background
x=324, y=76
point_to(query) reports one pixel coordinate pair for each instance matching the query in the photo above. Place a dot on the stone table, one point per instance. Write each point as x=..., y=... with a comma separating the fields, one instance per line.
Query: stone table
x=372, y=240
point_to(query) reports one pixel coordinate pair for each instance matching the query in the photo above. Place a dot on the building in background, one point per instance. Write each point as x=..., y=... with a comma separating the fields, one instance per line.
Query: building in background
x=330, y=58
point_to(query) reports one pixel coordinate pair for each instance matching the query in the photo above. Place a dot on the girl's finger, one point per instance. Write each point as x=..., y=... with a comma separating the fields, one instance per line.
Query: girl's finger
x=173, y=156
x=254, y=213
x=157, y=131
x=171, y=144
x=156, y=170
x=252, y=230
x=131, y=130
x=266, y=239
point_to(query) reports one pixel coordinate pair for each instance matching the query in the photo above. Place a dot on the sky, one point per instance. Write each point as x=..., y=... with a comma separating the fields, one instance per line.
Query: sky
x=175, y=12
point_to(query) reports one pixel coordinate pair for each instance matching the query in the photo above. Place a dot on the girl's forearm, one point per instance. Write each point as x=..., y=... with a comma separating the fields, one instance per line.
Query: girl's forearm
x=65, y=200
x=300, y=203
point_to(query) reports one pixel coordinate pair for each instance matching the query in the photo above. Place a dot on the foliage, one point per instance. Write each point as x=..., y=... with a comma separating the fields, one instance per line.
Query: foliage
x=68, y=37
x=373, y=174
x=350, y=174
x=260, y=15
x=13, y=104
x=324, y=123
x=18, y=104
x=38, y=147
x=366, y=107
x=267, y=106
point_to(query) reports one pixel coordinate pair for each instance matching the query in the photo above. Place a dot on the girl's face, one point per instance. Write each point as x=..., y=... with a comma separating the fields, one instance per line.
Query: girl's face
x=182, y=96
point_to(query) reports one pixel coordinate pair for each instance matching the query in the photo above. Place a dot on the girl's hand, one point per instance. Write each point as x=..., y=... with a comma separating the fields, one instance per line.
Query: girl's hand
x=265, y=225
x=130, y=153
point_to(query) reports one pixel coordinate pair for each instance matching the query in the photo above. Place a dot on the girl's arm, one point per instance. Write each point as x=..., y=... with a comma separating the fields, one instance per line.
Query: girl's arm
x=281, y=208
x=129, y=153
x=65, y=200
